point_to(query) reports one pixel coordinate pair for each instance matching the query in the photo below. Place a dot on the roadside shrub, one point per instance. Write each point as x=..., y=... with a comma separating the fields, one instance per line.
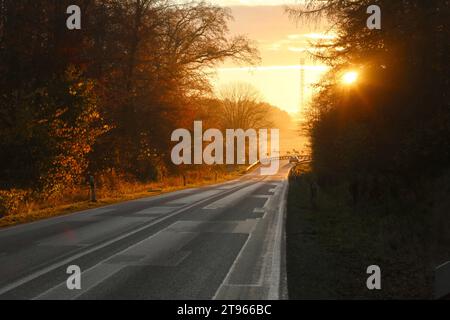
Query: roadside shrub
x=12, y=200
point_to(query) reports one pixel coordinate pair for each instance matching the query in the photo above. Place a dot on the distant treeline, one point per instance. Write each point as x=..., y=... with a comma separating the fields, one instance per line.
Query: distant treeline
x=394, y=122
x=107, y=97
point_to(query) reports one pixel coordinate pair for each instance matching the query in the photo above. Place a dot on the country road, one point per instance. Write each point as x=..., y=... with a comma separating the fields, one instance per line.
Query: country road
x=224, y=241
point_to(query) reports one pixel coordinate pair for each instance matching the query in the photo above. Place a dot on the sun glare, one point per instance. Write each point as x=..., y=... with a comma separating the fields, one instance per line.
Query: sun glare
x=350, y=77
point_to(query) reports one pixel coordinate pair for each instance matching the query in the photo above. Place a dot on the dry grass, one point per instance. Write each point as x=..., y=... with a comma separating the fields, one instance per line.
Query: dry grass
x=112, y=191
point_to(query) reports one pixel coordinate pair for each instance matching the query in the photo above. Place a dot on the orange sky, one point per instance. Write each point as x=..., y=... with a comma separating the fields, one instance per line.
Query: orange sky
x=282, y=44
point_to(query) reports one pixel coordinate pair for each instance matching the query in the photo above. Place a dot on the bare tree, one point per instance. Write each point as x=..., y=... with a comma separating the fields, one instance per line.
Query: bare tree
x=241, y=107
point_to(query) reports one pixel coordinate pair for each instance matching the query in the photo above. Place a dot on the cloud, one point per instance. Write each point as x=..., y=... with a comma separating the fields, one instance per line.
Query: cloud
x=298, y=43
x=306, y=49
x=320, y=36
x=252, y=2
x=275, y=68
x=294, y=36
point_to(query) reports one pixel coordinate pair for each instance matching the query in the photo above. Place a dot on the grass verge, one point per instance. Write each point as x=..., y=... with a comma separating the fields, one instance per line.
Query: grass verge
x=78, y=200
x=331, y=242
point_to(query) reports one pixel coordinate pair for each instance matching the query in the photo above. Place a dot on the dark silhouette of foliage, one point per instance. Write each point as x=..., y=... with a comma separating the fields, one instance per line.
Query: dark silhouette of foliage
x=107, y=97
x=395, y=121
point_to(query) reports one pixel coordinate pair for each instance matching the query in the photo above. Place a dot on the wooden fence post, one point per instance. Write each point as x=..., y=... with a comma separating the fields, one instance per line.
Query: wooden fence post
x=93, y=197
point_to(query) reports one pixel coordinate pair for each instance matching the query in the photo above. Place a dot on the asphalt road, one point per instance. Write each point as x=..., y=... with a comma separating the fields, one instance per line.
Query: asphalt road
x=219, y=242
